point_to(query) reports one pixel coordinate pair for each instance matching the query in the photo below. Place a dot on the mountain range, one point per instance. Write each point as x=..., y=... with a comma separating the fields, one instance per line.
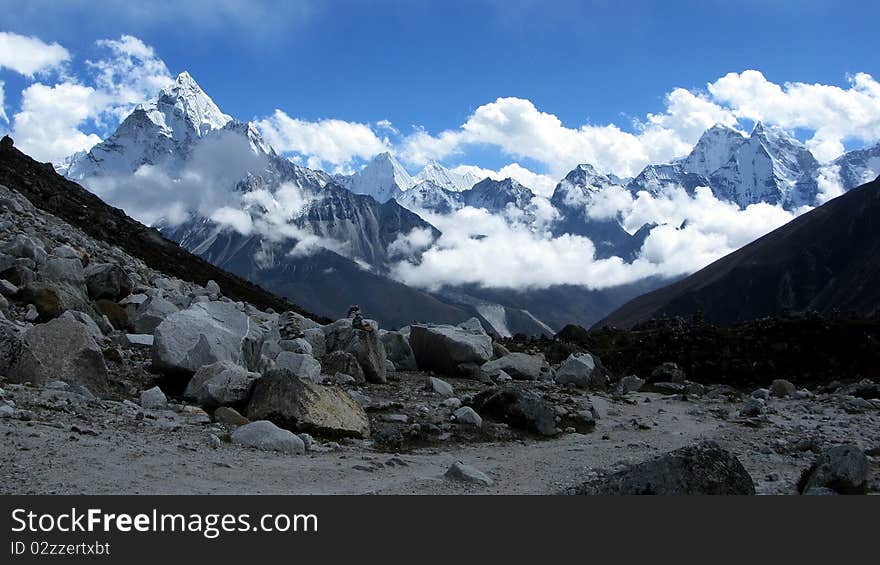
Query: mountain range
x=329, y=241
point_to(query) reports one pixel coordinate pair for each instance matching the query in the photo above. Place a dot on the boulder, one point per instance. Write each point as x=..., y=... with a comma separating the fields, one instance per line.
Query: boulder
x=315, y=337
x=438, y=386
x=467, y=416
x=153, y=399
x=445, y=349
x=364, y=344
x=221, y=384
x=519, y=408
x=300, y=364
x=628, y=384
x=22, y=246
x=472, y=325
x=267, y=436
x=520, y=366
x=583, y=371
x=52, y=299
x=143, y=340
x=398, y=350
x=667, y=373
x=148, y=314
x=342, y=362
x=213, y=289
x=87, y=321
x=466, y=473
x=843, y=469
x=781, y=388
x=205, y=333
x=106, y=280
x=304, y=406
x=7, y=289
x=63, y=270
x=62, y=349
x=298, y=345
x=702, y=468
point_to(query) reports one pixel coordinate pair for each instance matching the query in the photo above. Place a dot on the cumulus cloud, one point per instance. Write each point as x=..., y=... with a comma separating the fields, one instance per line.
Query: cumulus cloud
x=832, y=113
x=57, y=120
x=488, y=250
x=29, y=55
x=48, y=124
x=325, y=142
x=540, y=184
x=517, y=127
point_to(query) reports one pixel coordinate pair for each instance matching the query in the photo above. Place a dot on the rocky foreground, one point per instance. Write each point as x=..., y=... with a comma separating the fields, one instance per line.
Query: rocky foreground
x=117, y=378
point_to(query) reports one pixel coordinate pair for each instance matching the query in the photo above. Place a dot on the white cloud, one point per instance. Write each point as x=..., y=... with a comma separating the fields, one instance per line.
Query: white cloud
x=3, y=115
x=325, y=142
x=480, y=248
x=520, y=129
x=29, y=55
x=53, y=121
x=128, y=74
x=542, y=185
x=47, y=126
x=832, y=113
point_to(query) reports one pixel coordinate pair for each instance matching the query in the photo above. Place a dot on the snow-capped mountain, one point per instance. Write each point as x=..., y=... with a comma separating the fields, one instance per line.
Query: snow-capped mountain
x=429, y=197
x=159, y=132
x=573, y=197
x=383, y=178
x=656, y=179
x=858, y=167
x=770, y=166
x=439, y=175
x=713, y=150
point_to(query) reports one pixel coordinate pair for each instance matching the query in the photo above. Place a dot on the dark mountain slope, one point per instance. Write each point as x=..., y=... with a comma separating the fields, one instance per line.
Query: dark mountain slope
x=47, y=190
x=825, y=260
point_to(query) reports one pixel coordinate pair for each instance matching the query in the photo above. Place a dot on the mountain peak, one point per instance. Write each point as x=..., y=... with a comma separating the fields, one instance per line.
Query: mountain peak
x=183, y=107
x=441, y=176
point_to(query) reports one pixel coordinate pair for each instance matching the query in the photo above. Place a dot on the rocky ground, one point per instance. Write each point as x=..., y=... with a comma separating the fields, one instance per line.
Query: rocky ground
x=117, y=378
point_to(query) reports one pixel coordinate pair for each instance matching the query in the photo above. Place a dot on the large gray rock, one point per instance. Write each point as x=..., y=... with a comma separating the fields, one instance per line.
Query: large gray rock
x=518, y=408
x=106, y=280
x=520, y=366
x=304, y=406
x=87, y=321
x=466, y=473
x=300, y=364
x=364, y=344
x=63, y=270
x=11, y=345
x=153, y=399
x=398, y=350
x=146, y=316
x=205, y=333
x=315, y=337
x=345, y=363
x=221, y=384
x=445, y=349
x=843, y=469
x=583, y=371
x=23, y=246
x=703, y=468
x=62, y=349
x=267, y=436
x=438, y=386
x=781, y=388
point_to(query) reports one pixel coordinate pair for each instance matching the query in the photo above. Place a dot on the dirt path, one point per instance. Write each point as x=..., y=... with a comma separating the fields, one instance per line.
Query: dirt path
x=108, y=453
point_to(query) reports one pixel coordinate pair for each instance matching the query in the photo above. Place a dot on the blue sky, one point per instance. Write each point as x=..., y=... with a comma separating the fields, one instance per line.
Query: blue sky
x=432, y=64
